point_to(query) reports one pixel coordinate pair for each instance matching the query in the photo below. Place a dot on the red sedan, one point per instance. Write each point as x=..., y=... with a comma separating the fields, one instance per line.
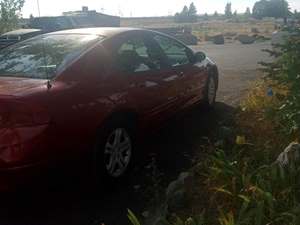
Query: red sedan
x=76, y=92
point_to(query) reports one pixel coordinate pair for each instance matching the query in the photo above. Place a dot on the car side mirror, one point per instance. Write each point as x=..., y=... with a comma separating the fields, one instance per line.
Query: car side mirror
x=200, y=56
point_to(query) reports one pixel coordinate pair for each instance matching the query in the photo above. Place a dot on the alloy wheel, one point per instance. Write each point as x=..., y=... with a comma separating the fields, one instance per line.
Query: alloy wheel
x=117, y=152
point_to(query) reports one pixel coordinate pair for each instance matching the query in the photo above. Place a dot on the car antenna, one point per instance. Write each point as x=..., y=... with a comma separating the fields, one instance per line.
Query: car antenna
x=44, y=52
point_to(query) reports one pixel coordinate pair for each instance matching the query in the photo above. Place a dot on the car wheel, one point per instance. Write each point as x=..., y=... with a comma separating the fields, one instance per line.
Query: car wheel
x=114, y=152
x=211, y=92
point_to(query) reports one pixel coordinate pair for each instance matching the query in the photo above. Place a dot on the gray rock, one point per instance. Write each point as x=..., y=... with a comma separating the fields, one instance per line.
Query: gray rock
x=230, y=34
x=178, y=201
x=176, y=192
x=218, y=39
x=246, y=39
x=187, y=38
x=254, y=30
x=177, y=185
x=291, y=155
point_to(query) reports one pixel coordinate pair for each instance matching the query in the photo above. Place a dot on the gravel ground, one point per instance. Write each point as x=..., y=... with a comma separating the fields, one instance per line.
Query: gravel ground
x=238, y=65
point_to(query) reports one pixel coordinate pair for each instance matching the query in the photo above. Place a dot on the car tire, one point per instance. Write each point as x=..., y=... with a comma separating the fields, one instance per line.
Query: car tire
x=210, y=92
x=113, y=153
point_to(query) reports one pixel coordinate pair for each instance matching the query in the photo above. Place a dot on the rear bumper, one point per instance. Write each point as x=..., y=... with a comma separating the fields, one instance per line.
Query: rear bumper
x=22, y=151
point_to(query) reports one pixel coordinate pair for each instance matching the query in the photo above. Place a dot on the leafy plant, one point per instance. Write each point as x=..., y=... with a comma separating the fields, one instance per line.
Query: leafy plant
x=286, y=71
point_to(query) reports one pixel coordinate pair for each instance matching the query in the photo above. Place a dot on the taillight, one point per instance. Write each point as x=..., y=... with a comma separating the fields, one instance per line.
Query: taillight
x=14, y=114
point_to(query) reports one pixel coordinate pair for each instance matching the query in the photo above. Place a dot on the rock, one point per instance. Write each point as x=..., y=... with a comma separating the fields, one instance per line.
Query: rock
x=146, y=214
x=262, y=38
x=176, y=192
x=178, y=201
x=218, y=39
x=280, y=37
x=254, y=30
x=187, y=38
x=230, y=34
x=176, y=185
x=208, y=38
x=291, y=155
x=246, y=39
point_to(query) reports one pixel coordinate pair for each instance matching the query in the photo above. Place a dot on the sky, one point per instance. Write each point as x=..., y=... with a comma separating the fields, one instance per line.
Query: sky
x=137, y=8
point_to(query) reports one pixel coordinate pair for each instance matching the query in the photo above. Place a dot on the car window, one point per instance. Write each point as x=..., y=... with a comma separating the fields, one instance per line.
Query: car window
x=177, y=54
x=44, y=56
x=134, y=55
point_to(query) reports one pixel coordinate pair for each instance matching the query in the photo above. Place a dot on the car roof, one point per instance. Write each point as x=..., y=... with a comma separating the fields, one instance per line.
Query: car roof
x=107, y=32
x=21, y=32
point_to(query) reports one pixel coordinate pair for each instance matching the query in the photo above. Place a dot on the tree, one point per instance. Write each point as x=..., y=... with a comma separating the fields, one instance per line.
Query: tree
x=192, y=10
x=228, y=11
x=216, y=14
x=270, y=8
x=192, y=15
x=185, y=11
x=10, y=12
x=235, y=14
x=187, y=14
x=205, y=16
x=248, y=12
x=296, y=15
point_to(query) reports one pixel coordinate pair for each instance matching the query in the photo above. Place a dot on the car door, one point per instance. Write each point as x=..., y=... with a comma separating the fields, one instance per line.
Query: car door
x=147, y=83
x=191, y=76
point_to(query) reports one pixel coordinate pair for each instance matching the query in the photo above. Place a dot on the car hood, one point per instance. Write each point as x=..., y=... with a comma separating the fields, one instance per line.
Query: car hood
x=20, y=86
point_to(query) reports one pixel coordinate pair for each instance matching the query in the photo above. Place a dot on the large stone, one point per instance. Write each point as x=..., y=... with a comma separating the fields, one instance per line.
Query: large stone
x=291, y=155
x=280, y=37
x=176, y=193
x=230, y=34
x=218, y=39
x=246, y=39
x=187, y=38
x=254, y=30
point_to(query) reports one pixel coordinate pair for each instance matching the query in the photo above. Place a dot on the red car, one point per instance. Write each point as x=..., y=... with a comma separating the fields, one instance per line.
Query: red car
x=93, y=91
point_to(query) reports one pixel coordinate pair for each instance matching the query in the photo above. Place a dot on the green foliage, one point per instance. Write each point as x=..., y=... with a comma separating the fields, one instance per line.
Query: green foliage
x=270, y=8
x=10, y=13
x=197, y=220
x=246, y=187
x=132, y=218
x=228, y=11
x=250, y=191
x=248, y=12
x=285, y=70
x=187, y=14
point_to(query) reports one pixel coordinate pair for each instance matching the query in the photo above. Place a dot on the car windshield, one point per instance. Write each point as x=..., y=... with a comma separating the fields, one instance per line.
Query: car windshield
x=44, y=56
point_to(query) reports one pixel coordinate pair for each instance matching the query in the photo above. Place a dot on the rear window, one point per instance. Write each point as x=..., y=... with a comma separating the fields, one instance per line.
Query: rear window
x=44, y=56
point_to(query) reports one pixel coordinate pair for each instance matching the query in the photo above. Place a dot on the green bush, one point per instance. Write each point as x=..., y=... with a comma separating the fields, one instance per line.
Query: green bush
x=246, y=190
x=286, y=70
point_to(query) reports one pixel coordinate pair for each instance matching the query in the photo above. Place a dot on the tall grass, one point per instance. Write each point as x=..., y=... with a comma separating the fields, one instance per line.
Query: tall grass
x=243, y=182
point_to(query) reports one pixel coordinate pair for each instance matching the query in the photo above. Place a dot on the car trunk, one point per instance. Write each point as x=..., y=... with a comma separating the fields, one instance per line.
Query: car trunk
x=13, y=86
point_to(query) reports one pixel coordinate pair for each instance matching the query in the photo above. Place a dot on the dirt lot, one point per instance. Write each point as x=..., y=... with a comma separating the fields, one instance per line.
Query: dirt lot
x=174, y=148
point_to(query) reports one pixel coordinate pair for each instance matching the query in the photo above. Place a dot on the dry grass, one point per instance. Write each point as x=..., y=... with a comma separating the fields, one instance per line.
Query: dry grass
x=256, y=119
x=204, y=28
x=261, y=133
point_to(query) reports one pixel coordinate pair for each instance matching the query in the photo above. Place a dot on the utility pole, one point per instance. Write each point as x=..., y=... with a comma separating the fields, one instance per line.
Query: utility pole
x=38, y=5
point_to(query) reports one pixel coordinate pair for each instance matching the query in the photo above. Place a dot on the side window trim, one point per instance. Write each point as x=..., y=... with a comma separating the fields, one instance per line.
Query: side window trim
x=188, y=52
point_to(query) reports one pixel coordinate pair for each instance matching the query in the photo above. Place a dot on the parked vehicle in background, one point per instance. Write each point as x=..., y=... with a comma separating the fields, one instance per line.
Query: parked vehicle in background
x=15, y=36
x=93, y=92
